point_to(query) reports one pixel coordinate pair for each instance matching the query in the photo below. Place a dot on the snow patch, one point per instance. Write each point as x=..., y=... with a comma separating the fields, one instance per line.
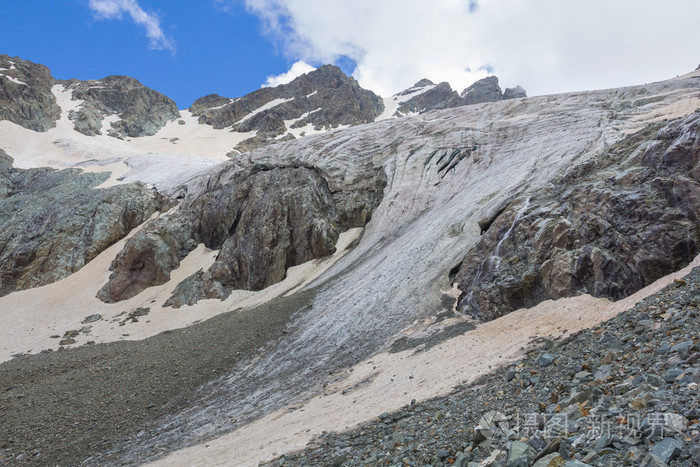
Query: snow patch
x=391, y=104
x=14, y=80
x=108, y=121
x=268, y=106
x=390, y=107
x=230, y=101
x=418, y=91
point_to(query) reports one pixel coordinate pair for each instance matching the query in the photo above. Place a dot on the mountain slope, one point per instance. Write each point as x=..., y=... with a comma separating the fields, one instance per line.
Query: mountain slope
x=436, y=195
x=134, y=110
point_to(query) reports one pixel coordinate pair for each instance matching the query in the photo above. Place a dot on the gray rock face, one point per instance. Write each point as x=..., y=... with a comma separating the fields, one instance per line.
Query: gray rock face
x=608, y=228
x=263, y=220
x=53, y=222
x=142, y=110
x=25, y=94
x=324, y=98
x=5, y=166
x=443, y=96
x=668, y=449
x=484, y=90
x=211, y=101
x=440, y=97
x=514, y=93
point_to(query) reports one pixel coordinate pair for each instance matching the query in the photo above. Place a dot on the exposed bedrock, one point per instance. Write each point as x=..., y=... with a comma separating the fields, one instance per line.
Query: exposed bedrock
x=53, y=222
x=141, y=111
x=263, y=221
x=607, y=228
x=442, y=96
x=25, y=94
x=324, y=98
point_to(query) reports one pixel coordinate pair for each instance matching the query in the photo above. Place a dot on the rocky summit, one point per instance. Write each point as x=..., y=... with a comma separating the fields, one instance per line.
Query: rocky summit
x=312, y=274
x=425, y=95
x=324, y=98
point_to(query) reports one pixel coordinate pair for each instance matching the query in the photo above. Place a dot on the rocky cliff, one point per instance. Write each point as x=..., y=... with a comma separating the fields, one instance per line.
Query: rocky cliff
x=263, y=220
x=53, y=222
x=137, y=110
x=322, y=99
x=607, y=228
x=25, y=94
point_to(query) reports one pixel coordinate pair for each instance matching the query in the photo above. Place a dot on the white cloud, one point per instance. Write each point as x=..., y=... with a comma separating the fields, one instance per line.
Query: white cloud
x=115, y=9
x=299, y=68
x=546, y=46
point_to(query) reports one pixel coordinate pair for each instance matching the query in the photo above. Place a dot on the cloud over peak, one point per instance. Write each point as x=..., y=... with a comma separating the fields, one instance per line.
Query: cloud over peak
x=547, y=46
x=297, y=69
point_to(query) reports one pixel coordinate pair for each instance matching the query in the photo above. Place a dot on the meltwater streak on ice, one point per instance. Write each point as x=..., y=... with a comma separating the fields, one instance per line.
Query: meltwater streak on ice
x=508, y=233
x=488, y=260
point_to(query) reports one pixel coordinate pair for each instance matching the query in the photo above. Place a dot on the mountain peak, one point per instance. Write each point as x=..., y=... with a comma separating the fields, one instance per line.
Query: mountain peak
x=425, y=96
x=321, y=99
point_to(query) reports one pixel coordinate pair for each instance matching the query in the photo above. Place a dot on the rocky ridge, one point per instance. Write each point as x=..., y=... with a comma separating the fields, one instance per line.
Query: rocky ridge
x=441, y=96
x=623, y=393
x=53, y=222
x=263, y=220
x=607, y=228
x=25, y=94
x=138, y=110
x=321, y=99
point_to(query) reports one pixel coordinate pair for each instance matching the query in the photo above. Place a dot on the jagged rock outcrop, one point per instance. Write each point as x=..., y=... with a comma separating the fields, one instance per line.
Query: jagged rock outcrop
x=514, y=93
x=53, y=222
x=263, y=220
x=439, y=96
x=141, y=110
x=607, y=228
x=25, y=94
x=324, y=98
x=484, y=90
x=442, y=96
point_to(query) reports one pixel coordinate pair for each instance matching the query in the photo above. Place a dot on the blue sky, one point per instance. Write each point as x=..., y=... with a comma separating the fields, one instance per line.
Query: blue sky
x=212, y=50
x=189, y=48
